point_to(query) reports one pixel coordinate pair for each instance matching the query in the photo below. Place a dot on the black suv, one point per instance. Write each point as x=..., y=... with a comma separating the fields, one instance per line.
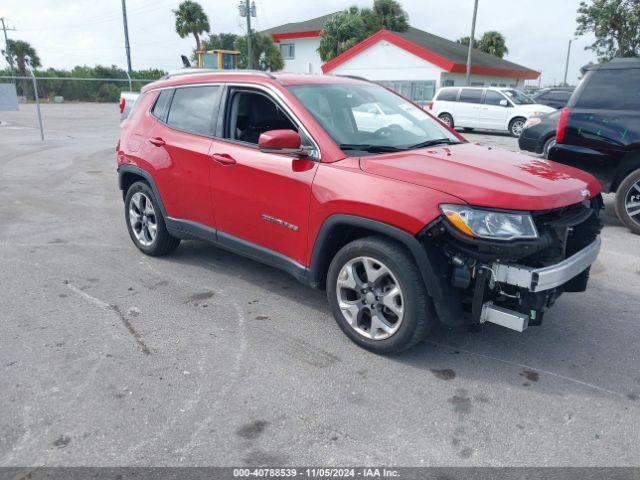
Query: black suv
x=599, y=131
x=555, y=97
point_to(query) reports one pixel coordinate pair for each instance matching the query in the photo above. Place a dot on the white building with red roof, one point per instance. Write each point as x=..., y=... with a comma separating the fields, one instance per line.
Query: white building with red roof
x=415, y=63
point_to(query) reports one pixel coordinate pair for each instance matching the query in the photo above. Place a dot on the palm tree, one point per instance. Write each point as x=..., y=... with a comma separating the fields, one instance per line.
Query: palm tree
x=493, y=43
x=191, y=19
x=391, y=15
x=21, y=53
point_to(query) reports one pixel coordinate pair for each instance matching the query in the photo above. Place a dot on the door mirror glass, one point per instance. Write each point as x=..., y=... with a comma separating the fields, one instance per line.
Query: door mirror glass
x=281, y=141
x=504, y=103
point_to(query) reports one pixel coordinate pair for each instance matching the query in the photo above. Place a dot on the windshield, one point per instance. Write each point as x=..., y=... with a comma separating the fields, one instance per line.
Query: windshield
x=369, y=118
x=518, y=97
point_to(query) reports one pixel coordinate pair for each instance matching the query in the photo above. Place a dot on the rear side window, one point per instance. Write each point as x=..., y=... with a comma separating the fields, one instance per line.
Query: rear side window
x=161, y=107
x=193, y=109
x=449, y=95
x=612, y=90
x=563, y=96
x=469, y=95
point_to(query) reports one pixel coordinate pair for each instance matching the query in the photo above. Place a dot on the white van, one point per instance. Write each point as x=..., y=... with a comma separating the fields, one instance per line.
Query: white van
x=504, y=109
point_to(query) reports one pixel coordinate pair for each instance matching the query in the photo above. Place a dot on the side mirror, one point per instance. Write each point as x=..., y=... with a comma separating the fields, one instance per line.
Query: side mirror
x=504, y=103
x=281, y=141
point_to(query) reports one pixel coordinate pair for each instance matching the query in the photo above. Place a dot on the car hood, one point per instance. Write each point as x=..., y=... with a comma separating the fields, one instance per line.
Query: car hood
x=487, y=177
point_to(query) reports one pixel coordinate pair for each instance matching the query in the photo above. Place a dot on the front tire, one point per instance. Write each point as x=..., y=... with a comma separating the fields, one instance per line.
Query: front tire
x=378, y=297
x=628, y=201
x=145, y=222
x=516, y=126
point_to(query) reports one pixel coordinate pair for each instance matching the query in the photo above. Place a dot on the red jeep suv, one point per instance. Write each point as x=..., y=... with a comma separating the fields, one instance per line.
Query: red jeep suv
x=349, y=187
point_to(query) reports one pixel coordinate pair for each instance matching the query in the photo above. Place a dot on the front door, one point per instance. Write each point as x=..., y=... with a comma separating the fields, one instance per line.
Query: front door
x=260, y=198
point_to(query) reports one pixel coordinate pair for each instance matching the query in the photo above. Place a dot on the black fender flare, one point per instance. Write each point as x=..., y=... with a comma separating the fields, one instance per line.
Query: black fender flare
x=446, y=302
x=123, y=170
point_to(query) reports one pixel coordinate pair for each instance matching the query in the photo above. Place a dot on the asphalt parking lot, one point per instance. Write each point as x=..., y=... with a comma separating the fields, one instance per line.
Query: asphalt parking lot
x=108, y=357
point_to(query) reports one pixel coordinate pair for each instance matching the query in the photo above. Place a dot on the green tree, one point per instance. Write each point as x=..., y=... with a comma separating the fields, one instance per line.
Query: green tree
x=615, y=24
x=21, y=53
x=391, y=15
x=219, y=41
x=493, y=43
x=191, y=20
x=266, y=56
x=465, y=41
x=345, y=29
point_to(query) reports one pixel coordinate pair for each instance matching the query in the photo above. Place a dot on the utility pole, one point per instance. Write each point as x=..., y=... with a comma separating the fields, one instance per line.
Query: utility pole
x=566, y=67
x=126, y=35
x=6, y=45
x=473, y=32
x=248, y=10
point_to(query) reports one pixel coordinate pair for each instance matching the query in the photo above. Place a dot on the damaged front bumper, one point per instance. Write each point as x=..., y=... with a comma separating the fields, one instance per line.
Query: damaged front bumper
x=534, y=280
x=514, y=283
x=546, y=278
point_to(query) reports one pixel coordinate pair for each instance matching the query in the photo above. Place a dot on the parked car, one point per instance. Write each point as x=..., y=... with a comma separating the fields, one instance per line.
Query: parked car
x=402, y=226
x=539, y=133
x=555, y=97
x=126, y=103
x=503, y=109
x=599, y=131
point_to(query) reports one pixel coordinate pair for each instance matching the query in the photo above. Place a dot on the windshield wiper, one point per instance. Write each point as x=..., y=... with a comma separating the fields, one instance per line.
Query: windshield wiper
x=431, y=143
x=365, y=147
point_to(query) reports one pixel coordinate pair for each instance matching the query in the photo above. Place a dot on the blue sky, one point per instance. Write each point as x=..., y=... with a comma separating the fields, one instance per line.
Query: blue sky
x=70, y=32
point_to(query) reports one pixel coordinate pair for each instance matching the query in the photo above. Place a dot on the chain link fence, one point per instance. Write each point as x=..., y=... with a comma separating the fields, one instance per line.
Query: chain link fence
x=60, y=89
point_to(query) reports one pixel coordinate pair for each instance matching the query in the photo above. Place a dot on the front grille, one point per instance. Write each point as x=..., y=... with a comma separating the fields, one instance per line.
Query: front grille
x=571, y=228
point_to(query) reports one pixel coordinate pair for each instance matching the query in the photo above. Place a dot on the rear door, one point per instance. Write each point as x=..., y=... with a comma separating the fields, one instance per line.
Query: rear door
x=492, y=114
x=179, y=145
x=468, y=108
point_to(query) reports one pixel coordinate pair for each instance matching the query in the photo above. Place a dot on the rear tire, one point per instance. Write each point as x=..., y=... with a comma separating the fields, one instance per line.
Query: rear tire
x=628, y=201
x=378, y=297
x=145, y=222
x=516, y=126
x=447, y=119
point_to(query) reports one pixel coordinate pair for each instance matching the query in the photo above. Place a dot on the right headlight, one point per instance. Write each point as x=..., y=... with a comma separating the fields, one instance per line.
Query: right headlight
x=491, y=224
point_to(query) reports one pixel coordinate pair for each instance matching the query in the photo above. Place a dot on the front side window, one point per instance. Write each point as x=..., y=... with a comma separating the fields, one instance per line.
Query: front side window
x=518, y=97
x=193, y=109
x=471, y=95
x=251, y=114
x=288, y=51
x=493, y=98
x=370, y=118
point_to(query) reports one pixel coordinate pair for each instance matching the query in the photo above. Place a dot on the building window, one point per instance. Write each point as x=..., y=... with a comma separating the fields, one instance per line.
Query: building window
x=419, y=92
x=448, y=83
x=288, y=51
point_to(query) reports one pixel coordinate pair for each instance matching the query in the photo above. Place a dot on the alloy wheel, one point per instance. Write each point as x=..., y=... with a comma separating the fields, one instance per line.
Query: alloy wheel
x=370, y=298
x=517, y=127
x=142, y=218
x=632, y=202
